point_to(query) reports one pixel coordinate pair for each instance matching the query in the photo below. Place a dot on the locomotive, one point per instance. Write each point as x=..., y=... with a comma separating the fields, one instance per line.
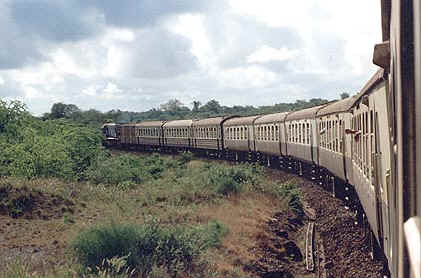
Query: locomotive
x=364, y=148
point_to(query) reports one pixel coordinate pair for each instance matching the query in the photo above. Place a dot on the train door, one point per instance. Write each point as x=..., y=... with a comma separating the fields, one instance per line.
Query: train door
x=382, y=163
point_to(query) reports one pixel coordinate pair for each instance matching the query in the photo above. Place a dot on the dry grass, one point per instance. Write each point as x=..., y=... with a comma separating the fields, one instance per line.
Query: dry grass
x=174, y=199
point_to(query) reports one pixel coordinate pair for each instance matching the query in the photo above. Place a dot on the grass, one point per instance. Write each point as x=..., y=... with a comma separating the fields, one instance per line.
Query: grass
x=195, y=204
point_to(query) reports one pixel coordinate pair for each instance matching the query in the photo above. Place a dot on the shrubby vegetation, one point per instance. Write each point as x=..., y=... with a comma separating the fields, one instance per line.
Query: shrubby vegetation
x=31, y=147
x=126, y=168
x=226, y=180
x=146, y=246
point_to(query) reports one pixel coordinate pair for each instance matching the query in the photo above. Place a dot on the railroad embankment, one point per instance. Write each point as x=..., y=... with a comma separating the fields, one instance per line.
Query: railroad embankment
x=149, y=215
x=162, y=216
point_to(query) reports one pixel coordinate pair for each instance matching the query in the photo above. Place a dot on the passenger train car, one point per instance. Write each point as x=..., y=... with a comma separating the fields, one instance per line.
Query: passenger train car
x=366, y=148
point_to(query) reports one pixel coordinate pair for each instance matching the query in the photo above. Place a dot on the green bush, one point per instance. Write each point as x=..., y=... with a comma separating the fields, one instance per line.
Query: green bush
x=145, y=247
x=226, y=180
x=293, y=193
x=184, y=158
x=125, y=170
x=35, y=148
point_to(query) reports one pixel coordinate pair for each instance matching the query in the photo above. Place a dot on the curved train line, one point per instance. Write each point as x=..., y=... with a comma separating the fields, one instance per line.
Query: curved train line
x=366, y=148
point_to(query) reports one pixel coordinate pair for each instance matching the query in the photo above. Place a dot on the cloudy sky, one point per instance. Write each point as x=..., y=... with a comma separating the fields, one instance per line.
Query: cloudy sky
x=136, y=54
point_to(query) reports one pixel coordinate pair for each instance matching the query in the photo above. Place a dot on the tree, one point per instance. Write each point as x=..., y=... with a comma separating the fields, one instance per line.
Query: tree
x=211, y=106
x=171, y=105
x=344, y=95
x=196, y=105
x=61, y=110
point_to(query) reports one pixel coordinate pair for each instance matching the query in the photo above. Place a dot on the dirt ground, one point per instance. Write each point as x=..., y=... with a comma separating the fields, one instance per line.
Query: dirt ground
x=346, y=253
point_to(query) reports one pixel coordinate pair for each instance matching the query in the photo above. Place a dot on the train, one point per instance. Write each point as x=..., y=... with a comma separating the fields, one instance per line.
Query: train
x=364, y=148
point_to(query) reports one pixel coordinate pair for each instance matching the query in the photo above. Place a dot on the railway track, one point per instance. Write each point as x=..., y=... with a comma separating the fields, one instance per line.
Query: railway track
x=310, y=247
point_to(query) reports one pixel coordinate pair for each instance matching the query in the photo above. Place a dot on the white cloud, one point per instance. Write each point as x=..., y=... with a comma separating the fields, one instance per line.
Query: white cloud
x=112, y=91
x=246, y=77
x=91, y=90
x=32, y=93
x=191, y=26
x=267, y=51
x=266, y=54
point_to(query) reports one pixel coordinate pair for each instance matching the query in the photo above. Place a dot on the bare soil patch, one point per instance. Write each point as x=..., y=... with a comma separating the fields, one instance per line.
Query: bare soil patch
x=30, y=203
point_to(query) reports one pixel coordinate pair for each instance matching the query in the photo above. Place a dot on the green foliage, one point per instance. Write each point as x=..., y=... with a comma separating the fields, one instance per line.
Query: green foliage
x=293, y=194
x=184, y=158
x=34, y=148
x=226, y=180
x=125, y=170
x=147, y=246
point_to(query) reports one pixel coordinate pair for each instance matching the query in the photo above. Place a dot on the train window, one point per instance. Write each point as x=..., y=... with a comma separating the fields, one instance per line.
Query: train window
x=291, y=132
x=272, y=133
x=264, y=132
x=294, y=135
x=277, y=133
x=246, y=133
x=238, y=133
x=298, y=138
x=308, y=133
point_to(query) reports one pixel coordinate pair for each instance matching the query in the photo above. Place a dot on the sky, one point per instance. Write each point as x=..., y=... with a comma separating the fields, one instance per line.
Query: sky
x=137, y=54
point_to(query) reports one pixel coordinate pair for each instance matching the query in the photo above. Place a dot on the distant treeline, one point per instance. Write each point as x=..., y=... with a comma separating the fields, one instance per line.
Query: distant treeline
x=173, y=110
